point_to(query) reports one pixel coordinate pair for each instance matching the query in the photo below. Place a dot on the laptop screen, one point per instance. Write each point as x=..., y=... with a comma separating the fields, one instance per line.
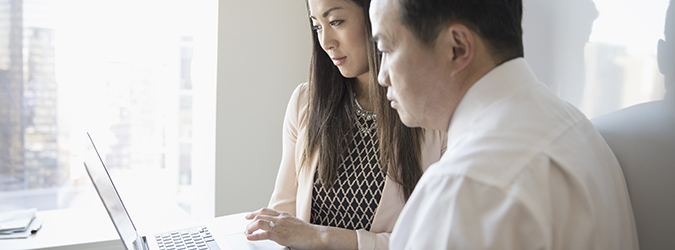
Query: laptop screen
x=111, y=200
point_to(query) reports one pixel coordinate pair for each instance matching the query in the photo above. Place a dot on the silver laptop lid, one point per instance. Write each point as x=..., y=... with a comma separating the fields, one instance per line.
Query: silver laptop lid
x=111, y=200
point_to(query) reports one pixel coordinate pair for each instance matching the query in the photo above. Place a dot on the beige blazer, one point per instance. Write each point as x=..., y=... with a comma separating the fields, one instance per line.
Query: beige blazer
x=293, y=189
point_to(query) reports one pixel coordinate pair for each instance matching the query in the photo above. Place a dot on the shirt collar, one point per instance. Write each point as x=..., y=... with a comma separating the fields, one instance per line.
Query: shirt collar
x=497, y=84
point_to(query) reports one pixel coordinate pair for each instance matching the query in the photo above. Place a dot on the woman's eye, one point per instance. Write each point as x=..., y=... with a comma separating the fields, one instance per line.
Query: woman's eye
x=316, y=27
x=335, y=23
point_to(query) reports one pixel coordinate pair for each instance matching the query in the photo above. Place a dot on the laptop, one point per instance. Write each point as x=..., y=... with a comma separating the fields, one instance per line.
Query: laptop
x=198, y=238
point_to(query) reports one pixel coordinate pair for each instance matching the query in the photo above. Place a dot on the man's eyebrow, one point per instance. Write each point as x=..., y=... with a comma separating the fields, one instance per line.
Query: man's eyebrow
x=325, y=14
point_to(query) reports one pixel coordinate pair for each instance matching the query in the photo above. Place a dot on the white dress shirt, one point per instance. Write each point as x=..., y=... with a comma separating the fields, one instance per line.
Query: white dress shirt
x=522, y=170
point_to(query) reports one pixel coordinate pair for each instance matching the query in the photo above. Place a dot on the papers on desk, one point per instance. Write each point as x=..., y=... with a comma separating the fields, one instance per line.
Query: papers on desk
x=19, y=223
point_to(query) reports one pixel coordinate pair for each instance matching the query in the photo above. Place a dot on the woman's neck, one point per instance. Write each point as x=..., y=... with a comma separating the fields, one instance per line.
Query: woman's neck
x=361, y=90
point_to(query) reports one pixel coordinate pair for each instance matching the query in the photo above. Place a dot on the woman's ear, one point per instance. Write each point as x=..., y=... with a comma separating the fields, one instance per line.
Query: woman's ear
x=457, y=43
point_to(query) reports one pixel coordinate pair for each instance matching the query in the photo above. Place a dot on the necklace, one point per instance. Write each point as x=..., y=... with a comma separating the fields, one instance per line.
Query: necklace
x=367, y=117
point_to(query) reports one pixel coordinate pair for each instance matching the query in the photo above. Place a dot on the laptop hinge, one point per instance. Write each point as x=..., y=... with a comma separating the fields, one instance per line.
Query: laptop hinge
x=141, y=243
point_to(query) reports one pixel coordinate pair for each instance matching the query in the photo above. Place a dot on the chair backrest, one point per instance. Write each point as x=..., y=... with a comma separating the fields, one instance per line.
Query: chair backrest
x=643, y=139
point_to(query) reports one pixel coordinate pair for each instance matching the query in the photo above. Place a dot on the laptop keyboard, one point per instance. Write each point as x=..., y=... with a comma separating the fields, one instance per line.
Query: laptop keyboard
x=196, y=238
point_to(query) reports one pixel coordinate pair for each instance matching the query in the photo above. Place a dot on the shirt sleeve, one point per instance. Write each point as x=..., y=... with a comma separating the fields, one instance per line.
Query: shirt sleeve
x=368, y=240
x=286, y=188
x=460, y=213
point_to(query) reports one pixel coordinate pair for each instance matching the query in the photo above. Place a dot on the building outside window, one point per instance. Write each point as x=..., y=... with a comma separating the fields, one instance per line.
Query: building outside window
x=138, y=75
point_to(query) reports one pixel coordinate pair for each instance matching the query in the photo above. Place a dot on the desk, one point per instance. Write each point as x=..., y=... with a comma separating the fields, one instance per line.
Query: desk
x=60, y=231
x=95, y=231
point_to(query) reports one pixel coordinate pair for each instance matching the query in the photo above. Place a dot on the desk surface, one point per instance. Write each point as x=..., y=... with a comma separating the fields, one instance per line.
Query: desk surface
x=60, y=231
x=95, y=231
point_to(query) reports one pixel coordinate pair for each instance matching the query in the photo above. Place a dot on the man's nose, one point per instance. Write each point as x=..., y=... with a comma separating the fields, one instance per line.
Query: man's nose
x=383, y=75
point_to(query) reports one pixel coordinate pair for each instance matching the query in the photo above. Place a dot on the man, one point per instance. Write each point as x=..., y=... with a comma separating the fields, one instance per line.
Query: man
x=523, y=169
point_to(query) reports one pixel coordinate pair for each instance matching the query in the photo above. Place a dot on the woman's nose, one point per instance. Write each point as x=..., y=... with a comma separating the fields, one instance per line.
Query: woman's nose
x=328, y=42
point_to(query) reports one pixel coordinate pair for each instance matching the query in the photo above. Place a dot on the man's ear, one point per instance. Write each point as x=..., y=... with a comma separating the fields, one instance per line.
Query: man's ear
x=457, y=43
x=664, y=56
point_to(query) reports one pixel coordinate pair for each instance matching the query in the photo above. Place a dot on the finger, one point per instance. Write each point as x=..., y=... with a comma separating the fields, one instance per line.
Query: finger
x=254, y=226
x=260, y=235
x=265, y=217
x=264, y=211
x=270, y=225
x=253, y=214
x=264, y=224
x=269, y=211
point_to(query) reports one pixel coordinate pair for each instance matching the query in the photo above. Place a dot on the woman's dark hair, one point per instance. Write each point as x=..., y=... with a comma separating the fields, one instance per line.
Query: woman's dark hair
x=496, y=21
x=331, y=117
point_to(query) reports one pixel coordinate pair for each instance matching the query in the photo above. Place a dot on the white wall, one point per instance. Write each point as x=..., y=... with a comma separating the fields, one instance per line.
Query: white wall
x=263, y=54
x=599, y=55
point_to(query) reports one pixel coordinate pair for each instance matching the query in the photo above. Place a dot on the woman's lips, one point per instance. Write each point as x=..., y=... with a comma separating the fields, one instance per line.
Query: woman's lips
x=338, y=60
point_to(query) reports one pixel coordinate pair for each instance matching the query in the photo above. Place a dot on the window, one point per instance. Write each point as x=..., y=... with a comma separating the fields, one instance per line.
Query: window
x=599, y=55
x=139, y=75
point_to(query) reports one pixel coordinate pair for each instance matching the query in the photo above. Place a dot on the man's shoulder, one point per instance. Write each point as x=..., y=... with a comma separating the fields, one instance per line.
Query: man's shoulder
x=510, y=134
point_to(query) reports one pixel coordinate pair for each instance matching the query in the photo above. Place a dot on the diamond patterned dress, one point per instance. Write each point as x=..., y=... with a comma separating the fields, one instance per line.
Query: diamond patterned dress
x=354, y=198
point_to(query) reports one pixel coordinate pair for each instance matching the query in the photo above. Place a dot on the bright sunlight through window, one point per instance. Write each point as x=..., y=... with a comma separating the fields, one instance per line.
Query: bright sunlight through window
x=139, y=75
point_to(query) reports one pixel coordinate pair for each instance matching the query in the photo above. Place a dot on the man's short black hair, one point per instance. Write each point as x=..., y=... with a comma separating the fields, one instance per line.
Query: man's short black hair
x=498, y=22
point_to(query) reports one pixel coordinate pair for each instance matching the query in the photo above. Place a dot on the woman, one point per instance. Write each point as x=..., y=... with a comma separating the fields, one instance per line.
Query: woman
x=346, y=171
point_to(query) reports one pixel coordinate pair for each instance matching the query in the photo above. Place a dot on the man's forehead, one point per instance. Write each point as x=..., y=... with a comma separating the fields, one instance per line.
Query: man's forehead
x=380, y=14
x=378, y=8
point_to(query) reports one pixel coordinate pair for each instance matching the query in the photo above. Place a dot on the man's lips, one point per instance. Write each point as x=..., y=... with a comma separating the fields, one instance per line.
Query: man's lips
x=392, y=102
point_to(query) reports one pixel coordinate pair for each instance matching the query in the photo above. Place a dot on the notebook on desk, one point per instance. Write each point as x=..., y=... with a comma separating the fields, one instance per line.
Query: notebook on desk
x=199, y=238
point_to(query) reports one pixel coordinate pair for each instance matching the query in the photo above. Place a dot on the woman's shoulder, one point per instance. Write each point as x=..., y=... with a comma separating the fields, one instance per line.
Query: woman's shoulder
x=300, y=94
x=435, y=135
x=434, y=146
x=297, y=105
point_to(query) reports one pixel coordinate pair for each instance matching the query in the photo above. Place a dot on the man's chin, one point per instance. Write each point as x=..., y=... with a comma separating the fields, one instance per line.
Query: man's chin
x=407, y=121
